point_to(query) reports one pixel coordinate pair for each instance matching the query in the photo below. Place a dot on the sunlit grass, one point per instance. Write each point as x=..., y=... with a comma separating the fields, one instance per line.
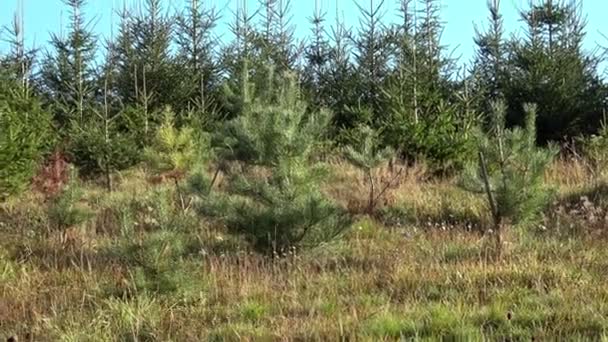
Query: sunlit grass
x=142, y=271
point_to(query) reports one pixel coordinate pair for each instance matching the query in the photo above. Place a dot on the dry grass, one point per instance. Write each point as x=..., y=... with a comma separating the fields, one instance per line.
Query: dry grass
x=569, y=174
x=141, y=271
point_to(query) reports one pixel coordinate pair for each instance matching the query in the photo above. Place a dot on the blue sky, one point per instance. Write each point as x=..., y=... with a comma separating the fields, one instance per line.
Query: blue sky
x=460, y=17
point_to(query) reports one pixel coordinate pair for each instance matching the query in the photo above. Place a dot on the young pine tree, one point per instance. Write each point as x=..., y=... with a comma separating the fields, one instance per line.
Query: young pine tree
x=274, y=199
x=510, y=171
x=176, y=152
x=595, y=150
x=367, y=154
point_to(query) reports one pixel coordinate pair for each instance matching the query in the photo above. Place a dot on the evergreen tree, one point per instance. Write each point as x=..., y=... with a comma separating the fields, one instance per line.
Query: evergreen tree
x=19, y=62
x=100, y=145
x=489, y=72
x=148, y=74
x=427, y=120
x=317, y=53
x=68, y=73
x=510, y=171
x=274, y=200
x=175, y=153
x=550, y=67
x=366, y=153
x=372, y=52
x=339, y=83
x=401, y=88
x=595, y=151
x=434, y=69
x=246, y=60
x=26, y=135
x=276, y=43
x=195, y=40
x=238, y=63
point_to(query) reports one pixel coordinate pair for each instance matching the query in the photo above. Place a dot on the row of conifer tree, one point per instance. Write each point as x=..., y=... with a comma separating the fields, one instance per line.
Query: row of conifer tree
x=101, y=101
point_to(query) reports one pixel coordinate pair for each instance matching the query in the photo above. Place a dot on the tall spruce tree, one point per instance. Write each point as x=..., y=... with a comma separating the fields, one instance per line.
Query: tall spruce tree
x=401, y=90
x=19, y=62
x=276, y=43
x=551, y=68
x=489, y=69
x=238, y=61
x=372, y=52
x=196, y=44
x=101, y=144
x=317, y=55
x=339, y=84
x=426, y=120
x=402, y=82
x=433, y=68
x=68, y=71
x=148, y=74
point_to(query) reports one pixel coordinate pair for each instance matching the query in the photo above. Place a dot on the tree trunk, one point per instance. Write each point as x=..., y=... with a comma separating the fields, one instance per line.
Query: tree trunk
x=491, y=201
x=108, y=175
x=371, y=202
x=179, y=194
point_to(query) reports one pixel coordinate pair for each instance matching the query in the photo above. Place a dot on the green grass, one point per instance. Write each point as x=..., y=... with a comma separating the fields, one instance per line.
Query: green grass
x=141, y=270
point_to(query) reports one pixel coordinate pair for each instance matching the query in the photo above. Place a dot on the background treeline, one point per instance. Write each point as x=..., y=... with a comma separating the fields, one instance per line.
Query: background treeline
x=396, y=79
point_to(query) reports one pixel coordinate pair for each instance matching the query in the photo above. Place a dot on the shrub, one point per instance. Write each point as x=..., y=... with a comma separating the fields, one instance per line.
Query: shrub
x=65, y=210
x=159, y=262
x=595, y=150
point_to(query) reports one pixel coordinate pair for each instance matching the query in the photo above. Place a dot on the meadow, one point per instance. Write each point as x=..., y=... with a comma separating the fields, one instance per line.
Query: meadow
x=180, y=181
x=139, y=268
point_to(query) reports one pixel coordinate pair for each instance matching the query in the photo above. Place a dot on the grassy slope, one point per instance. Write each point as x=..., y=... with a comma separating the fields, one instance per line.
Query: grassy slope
x=139, y=270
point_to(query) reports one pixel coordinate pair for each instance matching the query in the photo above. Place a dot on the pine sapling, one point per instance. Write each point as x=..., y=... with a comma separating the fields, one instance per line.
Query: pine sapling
x=510, y=172
x=274, y=199
x=175, y=152
x=367, y=155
